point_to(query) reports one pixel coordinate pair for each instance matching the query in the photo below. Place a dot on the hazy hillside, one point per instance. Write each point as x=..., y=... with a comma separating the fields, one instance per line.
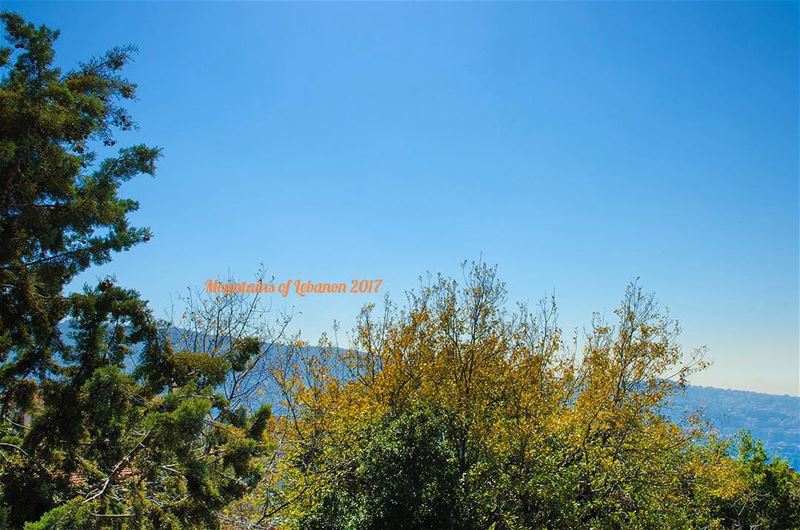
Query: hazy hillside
x=771, y=418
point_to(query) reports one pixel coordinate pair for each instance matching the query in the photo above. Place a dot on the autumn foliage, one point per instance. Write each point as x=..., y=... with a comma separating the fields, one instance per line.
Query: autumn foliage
x=457, y=413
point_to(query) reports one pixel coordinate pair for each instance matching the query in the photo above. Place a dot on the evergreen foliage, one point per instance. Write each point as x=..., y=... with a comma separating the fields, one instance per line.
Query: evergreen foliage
x=88, y=441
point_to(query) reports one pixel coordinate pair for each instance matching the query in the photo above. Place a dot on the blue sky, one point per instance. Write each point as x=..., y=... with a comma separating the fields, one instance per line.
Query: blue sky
x=578, y=146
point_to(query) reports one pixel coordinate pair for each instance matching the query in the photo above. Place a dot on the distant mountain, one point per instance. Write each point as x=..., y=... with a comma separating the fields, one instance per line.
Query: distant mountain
x=773, y=419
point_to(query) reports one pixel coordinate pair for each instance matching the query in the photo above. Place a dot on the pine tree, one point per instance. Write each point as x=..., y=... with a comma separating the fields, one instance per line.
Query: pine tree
x=103, y=423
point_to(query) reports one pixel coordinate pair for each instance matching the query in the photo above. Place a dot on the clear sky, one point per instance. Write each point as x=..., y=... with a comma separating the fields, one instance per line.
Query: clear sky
x=577, y=146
